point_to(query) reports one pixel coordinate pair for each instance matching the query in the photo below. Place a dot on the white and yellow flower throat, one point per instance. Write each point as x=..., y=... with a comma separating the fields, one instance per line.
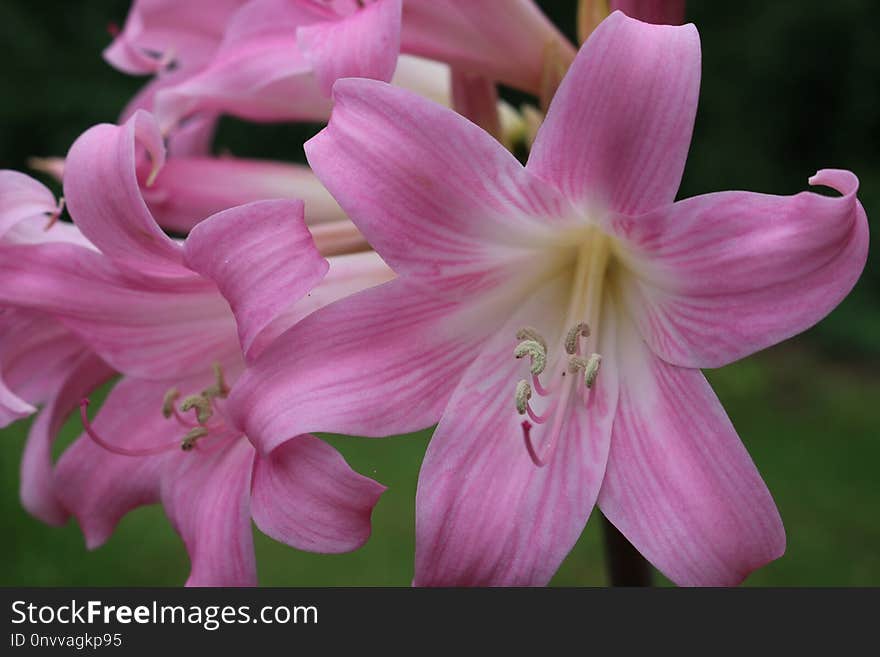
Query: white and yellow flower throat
x=569, y=368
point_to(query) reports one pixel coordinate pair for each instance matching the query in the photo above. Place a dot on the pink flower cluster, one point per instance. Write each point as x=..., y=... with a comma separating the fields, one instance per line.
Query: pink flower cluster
x=550, y=318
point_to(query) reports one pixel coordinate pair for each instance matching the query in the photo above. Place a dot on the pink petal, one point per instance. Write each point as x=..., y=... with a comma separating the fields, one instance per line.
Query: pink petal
x=99, y=487
x=262, y=258
x=36, y=354
x=438, y=198
x=155, y=328
x=189, y=189
x=348, y=274
x=306, y=495
x=380, y=362
x=679, y=483
x=505, y=43
x=192, y=137
x=364, y=44
x=258, y=73
x=185, y=33
x=659, y=12
x=617, y=133
x=102, y=192
x=23, y=198
x=28, y=210
x=38, y=494
x=721, y=276
x=486, y=515
x=206, y=497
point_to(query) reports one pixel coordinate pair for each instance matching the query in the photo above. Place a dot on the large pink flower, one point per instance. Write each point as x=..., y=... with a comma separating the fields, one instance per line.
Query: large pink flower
x=180, y=320
x=554, y=318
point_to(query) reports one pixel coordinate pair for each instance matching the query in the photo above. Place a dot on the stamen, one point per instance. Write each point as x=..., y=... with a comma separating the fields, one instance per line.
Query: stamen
x=534, y=350
x=576, y=364
x=540, y=389
x=168, y=402
x=529, y=333
x=202, y=406
x=523, y=395
x=572, y=342
x=220, y=387
x=189, y=440
x=122, y=451
x=526, y=429
x=591, y=371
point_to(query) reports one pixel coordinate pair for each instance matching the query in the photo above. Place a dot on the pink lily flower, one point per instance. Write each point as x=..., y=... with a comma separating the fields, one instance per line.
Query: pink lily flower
x=554, y=318
x=180, y=320
x=189, y=189
x=279, y=58
x=41, y=361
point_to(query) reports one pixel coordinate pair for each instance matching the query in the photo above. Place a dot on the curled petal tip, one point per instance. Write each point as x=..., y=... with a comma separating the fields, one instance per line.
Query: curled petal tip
x=845, y=182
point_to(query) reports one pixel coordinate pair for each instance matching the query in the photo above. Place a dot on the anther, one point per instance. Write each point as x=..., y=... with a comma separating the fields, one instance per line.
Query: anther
x=535, y=351
x=220, y=387
x=576, y=364
x=577, y=331
x=523, y=395
x=591, y=371
x=529, y=333
x=189, y=440
x=202, y=406
x=168, y=402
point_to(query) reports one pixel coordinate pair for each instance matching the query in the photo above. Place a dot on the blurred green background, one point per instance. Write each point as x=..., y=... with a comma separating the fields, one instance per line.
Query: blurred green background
x=789, y=87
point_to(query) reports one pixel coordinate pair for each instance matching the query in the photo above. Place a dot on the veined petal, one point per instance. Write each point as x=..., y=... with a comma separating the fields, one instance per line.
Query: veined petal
x=486, y=515
x=207, y=499
x=720, y=276
x=258, y=73
x=102, y=191
x=189, y=189
x=618, y=130
x=348, y=274
x=438, y=198
x=150, y=327
x=37, y=490
x=504, y=40
x=99, y=487
x=262, y=258
x=380, y=362
x=364, y=44
x=306, y=495
x=679, y=484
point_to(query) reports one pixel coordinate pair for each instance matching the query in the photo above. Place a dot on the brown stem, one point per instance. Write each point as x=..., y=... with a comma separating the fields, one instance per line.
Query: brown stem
x=626, y=567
